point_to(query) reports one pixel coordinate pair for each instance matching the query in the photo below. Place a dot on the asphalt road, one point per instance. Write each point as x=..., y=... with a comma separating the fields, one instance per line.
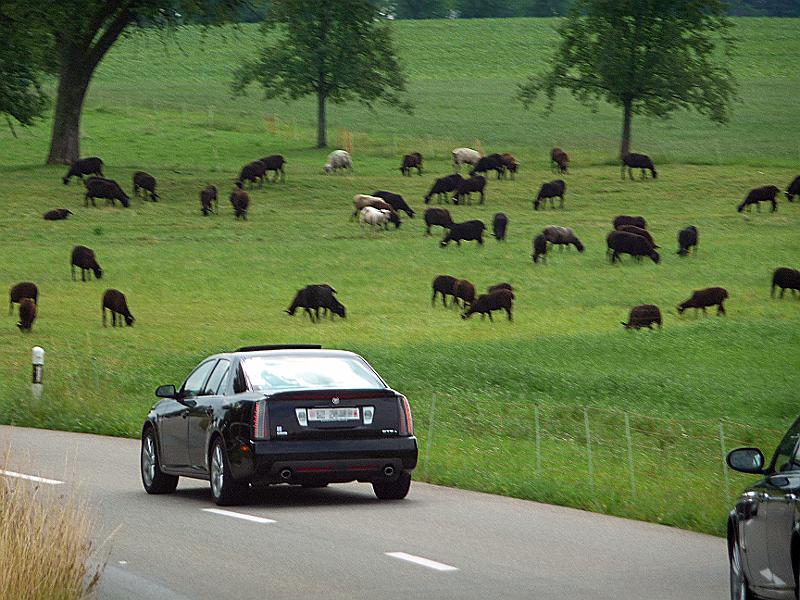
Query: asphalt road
x=341, y=543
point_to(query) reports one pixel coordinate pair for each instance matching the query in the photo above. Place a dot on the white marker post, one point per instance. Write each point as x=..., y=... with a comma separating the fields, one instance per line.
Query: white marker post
x=37, y=358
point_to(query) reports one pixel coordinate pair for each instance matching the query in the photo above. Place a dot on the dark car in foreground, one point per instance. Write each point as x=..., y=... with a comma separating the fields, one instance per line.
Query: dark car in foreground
x=764, y=526
x=264, y=415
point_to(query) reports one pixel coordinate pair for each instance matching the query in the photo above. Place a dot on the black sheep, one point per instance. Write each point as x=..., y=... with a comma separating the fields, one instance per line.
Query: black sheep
x=110, y=190
x=443, y=186
x=492, y=162
x=643, y=315
x=486, y=303
x=638, y=231
x=637, y=161
x=621, y=220
x=500, y=286
x=314, y=297
x=539, y=248
x=23, y=289
x=562, y=236
x=115, y=301
x=559, y=160
x=411, y=161
x=57, y=214
x=27, y=314
x=499, y=226
x=687, y=238
x=793, y=189
x=145, y=183
x=240, y=201
x=437, y=216
x=552, y=189
x=510, y=164
x=253, y=172
x=396, y=201
x=92, y=165
x=208, y=198
x=444, y=285
x=714, y=296
x=274, y=162
x=84, y=258
x=622, y=242
x=785, y=278
x=476, y=183
x=467, y=231
x=463, y=290
x=758, y=195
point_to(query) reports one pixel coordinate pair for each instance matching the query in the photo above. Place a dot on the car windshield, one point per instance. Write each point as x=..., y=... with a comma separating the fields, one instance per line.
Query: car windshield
x=286, y=373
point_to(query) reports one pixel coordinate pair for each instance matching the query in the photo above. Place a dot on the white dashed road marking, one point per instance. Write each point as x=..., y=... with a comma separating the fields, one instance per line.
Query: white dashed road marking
x=235, y=515
x=425, y=562
x=31, y=477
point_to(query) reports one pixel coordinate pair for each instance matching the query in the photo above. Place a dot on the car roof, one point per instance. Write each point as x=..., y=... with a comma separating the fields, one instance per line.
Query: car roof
x=288, y=351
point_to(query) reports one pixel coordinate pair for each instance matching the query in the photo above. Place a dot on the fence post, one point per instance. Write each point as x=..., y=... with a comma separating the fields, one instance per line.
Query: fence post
x=588, y=445
x=724, y=462
x=429, y=440
x=630, y=455
x=538, y=440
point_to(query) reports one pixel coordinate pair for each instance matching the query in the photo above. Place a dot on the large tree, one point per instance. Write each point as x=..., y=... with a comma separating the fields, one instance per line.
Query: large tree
x=648, y=57
x=337, y=50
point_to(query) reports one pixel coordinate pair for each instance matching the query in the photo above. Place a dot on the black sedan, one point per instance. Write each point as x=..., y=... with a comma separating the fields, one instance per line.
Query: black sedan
x=279, y=414
x=764, y=526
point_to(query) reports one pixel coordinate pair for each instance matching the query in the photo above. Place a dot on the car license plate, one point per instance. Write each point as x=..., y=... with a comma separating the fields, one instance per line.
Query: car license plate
x=328, y=415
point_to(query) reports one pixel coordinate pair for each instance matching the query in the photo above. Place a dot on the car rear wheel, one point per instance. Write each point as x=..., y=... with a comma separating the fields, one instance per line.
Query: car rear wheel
x=155, y=481
x=225, y=490
x=393, y=490
x=740, y=589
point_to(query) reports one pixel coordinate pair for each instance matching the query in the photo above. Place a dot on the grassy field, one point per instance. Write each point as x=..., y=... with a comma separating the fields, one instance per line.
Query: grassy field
x=198, y=286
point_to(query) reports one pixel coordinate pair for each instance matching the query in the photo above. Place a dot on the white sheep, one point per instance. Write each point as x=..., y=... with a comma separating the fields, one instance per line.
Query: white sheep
x=465, y=156
x=374, y=217
x=338, y=159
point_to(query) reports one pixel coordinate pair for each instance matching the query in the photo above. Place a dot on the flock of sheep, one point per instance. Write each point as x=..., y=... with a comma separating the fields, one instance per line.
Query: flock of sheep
x=379, y=209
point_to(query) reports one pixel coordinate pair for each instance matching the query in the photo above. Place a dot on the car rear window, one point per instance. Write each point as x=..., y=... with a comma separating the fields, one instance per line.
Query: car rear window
x=286, y=373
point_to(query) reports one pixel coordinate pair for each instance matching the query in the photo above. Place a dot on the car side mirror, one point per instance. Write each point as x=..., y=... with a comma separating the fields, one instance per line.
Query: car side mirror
x=166, y=391
x=746, y=460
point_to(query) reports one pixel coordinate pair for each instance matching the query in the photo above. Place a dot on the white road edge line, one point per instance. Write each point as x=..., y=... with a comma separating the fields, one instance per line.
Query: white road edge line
x=31, y=477
x=235, y=515
x=425, y=562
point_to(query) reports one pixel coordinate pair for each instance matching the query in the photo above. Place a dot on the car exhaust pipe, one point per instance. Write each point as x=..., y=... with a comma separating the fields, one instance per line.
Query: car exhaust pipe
x=388, y=471
x=286, y=474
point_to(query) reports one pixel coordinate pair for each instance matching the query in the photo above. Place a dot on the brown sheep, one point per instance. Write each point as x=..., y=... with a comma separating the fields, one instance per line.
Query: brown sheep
x=23, y=289
x=465, y=291
x=411, y=161
x=643, y=315
x=713, y=296
x=559, y=160
x=444, y=285
x=145, y=183
x=638, y=231
x=27, y=314
x=57, y=214
x=115, y=301
x=486, y=303
x=240, y=201
x=85, y=259
x=208, y=196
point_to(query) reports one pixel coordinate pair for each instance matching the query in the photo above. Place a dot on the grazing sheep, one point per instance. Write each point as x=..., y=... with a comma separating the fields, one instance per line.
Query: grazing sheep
x=411, y=161
x=643, y=315
x=559, y=160
x=500, y=286
x=240, y=201
x=253, y=172
x=758, y=195
x=396, y=201
x=687, y=238
x=338, y=160
x=476, y=183
x=115, y=301
x=208, y=197
x=465, y=291
x=444, y=285
x=492, y=162
x=57, y=214
x=486, y=303
x=465, y=156
x=499, y=226
x=361, y=201
x=443, y=186
x=314, y=297
x=437, y=216
x=714, y=296
x=27, y=314
x=99, y=187
x=638, y=231
x=375, y=217
x=274, y=162
x=92, y=165
x=146, y=183
x=621, y=220
x=23, y=289
x=561, y=236
x=510, y=163
x=793, y=189
x=784, y=278
x=539, y=248
x=622, y=242
x=468, y=230
x=553, y=189
x=637, y=161
x=85, y=260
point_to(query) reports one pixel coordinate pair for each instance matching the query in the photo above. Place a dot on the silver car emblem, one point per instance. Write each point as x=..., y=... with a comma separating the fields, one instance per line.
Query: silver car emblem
x=335, y=400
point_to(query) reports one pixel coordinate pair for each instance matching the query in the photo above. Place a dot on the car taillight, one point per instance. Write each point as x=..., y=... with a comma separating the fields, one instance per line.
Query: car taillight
x=260, y=420
x=407, y=423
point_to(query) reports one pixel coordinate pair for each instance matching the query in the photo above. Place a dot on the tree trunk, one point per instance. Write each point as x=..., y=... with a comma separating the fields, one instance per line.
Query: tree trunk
x=65, y=142
x=322, y=126
x=625, y=146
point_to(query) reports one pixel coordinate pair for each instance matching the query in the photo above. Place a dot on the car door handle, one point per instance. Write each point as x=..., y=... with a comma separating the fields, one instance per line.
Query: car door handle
x=764, y=497
x=790, y=498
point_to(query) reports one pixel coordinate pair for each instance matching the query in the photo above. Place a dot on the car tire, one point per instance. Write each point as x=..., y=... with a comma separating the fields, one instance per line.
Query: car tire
x=155, y=481
x=224, y=489
x=393, y=490
x=740, y=588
